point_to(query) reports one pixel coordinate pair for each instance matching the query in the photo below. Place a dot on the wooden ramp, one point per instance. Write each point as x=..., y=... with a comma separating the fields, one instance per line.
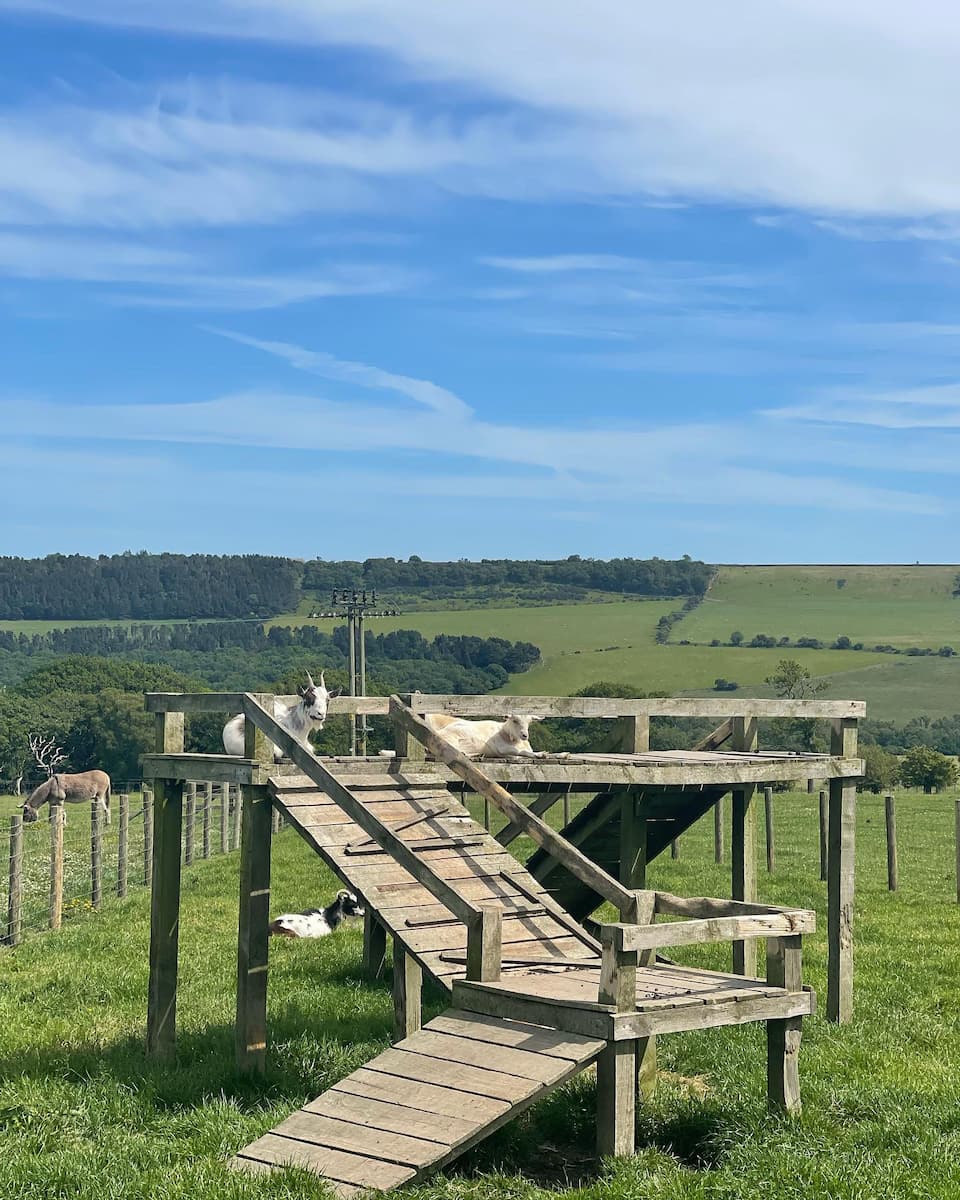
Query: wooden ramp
x=422, y=1103
x=438, y=826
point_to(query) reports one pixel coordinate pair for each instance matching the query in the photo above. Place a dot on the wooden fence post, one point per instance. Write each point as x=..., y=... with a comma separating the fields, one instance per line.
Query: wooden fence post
x=823, y=837
x=224, y=818
x=841, y=836
x=57, y=815
x=147, y=798
x=486, y=814
x=274, y=822
x=190, y=822
x=718, y=831
x=958, y=848
x=675, y=848
x=891, y=820
x=207, y=806
x=237, y=815
x=768, y=819
x=123, y=845
x=96, y=854
x=15, y=893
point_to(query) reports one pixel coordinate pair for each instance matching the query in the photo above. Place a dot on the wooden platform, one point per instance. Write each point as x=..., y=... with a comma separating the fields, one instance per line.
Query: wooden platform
x=422, y=1103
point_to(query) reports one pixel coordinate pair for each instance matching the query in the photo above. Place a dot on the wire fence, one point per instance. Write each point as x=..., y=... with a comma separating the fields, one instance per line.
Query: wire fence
x=73, y=858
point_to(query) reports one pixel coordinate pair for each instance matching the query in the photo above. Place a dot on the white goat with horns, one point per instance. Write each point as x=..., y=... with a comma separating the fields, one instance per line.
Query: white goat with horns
x=298, y=719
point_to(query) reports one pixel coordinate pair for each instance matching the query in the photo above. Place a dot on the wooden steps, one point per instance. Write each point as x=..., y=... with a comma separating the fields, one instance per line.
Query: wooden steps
x=422, y=1103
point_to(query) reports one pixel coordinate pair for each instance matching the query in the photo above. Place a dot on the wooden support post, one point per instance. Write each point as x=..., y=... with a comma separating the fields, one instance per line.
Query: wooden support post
x=237, y=815
x=718, y=831
x=207, y=806
x=15, y=883
x=190, y=825
x=823, y=837
x=840, y=877
x=123, y=845
x=274, y=822
x=374, y=945
x=407, y=985
x=147, y=797
x=165, y=917
x=743, y=851
x=566, y=808
x=634, y=735
x=783, y=1036
x=224, y=818
x=768, y=824
x=56, y=865
x=405, y=745
x=633, y=844
x=811, y=786
x=675, y=847
x=486, y=814
x=163, y=831
x=617, y=1064
x=890, y=815
x=484, y=945
x=96, y=854
x=253, y=933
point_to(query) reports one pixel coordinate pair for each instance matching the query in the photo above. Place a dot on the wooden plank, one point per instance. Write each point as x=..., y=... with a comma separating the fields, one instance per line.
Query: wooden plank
x=516, y=1035
x=490, y=1056
x=331, y=1164
x=340, y=1133
x=392, y=1117
x=591, y=1024
x=840, y=893
x=610, y=708
x=232, y=702
x=708, y=906
x=370, y=1083
x=408, y=1064
x=539, y=805
x=216, y=767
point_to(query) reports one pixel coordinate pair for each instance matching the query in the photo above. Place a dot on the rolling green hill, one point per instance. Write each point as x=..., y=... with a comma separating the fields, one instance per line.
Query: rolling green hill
x=885, y=605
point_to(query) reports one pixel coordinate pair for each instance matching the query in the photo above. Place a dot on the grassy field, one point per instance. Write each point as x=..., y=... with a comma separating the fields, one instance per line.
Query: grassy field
x=899, y=606
x=83, y=1114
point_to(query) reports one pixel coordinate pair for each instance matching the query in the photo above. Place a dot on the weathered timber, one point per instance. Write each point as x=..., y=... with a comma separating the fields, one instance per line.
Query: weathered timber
x=783, y=1035
x=374, y=945
x=407, y=988
x=541, y=833
x=824, y=808
x=543, y=803
x=147, y=795
x=716, y=738
x=715, y=929
x=57, y=816
x=164, y=917
x=612, y=708
x=840, y=879
x=718, y=831
x=890, y=822
x=743, y=843
x=217, y=767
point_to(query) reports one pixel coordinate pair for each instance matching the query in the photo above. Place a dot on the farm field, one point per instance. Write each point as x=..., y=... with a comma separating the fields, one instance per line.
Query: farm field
x=86, y=1115
x=899, y=606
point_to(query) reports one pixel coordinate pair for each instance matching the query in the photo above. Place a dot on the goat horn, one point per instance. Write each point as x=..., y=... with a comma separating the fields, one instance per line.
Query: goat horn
x=322, y=684
x=310, y=679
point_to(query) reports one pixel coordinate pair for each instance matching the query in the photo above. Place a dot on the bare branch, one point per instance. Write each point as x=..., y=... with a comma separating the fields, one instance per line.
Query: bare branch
x=46, y=753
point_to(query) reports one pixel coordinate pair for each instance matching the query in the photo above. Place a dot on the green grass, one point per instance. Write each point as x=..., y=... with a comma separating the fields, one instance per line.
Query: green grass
x=899, y=606
x=84, y=1114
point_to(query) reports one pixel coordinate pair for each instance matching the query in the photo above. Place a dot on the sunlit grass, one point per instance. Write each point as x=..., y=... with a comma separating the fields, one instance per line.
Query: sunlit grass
x=84, y=1114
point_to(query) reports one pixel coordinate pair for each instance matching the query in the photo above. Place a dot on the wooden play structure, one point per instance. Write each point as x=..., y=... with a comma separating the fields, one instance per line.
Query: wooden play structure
x=534, y=997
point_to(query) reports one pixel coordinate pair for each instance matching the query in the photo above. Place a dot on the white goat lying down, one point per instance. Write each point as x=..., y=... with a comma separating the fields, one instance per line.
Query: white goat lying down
x=317, y=922
x=486, y=739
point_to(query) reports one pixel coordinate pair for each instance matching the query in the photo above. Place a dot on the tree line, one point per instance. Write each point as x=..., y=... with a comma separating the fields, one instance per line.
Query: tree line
x=137, y=586
x=179, y=586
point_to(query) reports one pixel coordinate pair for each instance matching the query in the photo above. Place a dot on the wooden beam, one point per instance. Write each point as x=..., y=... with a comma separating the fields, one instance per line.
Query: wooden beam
x=783, y=1036
x=716, y=738
x=374, y=945
x=840, y=879
x=612, y=708
x=205, y=767
x=714, y=929
x=548, y=839
x=743, y=843
x=253, y=935
x=542, y=804
x=707, y=906
x=232, y=702
x=616, y=1099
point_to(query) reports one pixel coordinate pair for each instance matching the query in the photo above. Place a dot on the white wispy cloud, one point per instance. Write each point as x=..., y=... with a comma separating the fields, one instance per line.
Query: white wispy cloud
x=844, y=109
x=905, y=408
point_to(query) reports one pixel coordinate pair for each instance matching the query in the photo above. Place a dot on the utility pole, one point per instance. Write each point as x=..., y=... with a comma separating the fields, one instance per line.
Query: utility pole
x=355, y=605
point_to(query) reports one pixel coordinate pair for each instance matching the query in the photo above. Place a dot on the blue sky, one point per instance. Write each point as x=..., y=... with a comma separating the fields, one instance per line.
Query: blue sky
x=359, y=277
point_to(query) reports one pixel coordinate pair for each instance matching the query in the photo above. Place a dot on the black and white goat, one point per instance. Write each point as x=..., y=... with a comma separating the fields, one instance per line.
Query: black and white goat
x=318, y=922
